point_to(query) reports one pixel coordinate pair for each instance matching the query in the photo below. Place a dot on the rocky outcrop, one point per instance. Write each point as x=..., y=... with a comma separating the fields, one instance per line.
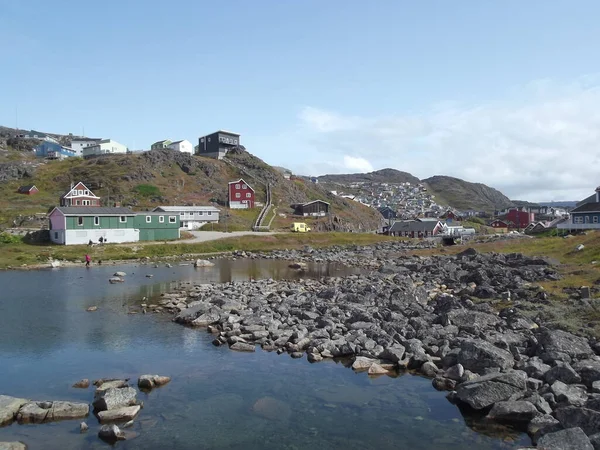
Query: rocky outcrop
x=42, y=412
x=9, y=407
x=12, y=446
x=571, y=439
x=489, y=389
x=113, y=398
x=122, y=414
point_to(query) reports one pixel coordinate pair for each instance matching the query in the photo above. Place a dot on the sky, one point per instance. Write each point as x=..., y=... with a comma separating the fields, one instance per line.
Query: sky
x=504, y=93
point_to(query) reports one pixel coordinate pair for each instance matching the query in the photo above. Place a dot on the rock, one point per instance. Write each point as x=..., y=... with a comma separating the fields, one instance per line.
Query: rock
x=429, y=369
x=542, y=424
x=589, y=370
x=103, y=385
x=119, y=274
x=571, y=395
x=114, y=398
x=243, y=347
x=16, y=445
x=553, y=343
x=513, y=411
x=596, y=387
x=114, y=280
x=586, y=419
x=9, y=407
x=478, y=356
x=110, y=433
x=92, y=308
x=361, y=363
x=536, y=368
x=443, y=384
x=489, y=389
x=455, y=372
x=55, y=264
x=595, y=440
x=42, y=412
x=579, y=247
x=376, y=369
x=570, y=439
x=83, y=427
x=394, y=353
x=585, y=292
x=562, y=372
x=298, y=265
x=82, y=384
x=151, y=381
x=119, y=414
x=272, y=409
x=203, y=263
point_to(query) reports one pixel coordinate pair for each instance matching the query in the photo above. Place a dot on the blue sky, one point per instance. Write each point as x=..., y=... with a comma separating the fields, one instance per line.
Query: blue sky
x=504, y=93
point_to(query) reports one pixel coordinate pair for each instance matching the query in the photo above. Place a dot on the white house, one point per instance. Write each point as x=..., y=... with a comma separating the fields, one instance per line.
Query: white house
x=184, y=146
x=104, y=147
x=79, y=143
x=192, y=217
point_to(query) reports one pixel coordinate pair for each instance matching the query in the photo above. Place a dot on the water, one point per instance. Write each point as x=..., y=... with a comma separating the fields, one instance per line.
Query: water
x=217, y=399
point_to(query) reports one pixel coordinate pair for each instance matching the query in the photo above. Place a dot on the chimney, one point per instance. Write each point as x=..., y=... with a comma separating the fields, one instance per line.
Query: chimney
x=598, y=194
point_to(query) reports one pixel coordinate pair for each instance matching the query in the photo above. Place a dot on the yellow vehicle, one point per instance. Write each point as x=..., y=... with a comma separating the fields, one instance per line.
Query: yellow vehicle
x=300, y=227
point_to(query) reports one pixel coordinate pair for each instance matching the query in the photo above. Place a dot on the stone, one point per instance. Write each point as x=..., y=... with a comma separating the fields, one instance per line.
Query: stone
x=596, y=387
x=243, y=347
x=152, y=381
x=589, y=370
x=114, y=280
x=570, y=439
x=376, y=369
x=585, y=292
x=513, y=411
x=103, y=385
x=429, y=369
x=543, y=422
x=16, y=445
x=272, y=409
x=595, y=441
x=42, y=412
x=555, y=342
x=92, y=308
x=9, y=407
x=455, y=372
x=586, y=419
x=571, y=395
x=394, y=354
x=478, y=356
x=536, y=368
x=123, y=414
x=443, y=384
x=114, y=398
x=111, y=433
x=119, y=274
x=83, y=427
x=361, y=363
x=489, y=389
x=562, y=372
x=82, y=384
x=203, y=263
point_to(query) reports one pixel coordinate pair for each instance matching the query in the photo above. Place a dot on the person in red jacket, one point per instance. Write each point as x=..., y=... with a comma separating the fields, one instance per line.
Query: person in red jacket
x=87, y=260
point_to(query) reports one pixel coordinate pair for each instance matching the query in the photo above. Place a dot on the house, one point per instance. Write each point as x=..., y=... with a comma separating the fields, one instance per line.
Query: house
x=37, y=135
x=584, y=217
x=53, y=150
x=286, y=173
x=183, y=146
x=499, y=226
x=535, y=227
x=79, y=143
x=160, y=144
x=157, y=226
x=520, y=217
x=314, y=208
x=387, y=212
x=452, y=215
x=241, y=195
x=415, y=228
x=29, y=189
x=80, y=224
x=314, y=180
x=79, y=195
x=217, y=144
x=192, y=217
x=104, y=147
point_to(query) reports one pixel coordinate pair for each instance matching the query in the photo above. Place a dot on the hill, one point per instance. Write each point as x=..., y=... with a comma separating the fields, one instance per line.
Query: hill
x=379, y=176
x=167, y=177
x=464, y=195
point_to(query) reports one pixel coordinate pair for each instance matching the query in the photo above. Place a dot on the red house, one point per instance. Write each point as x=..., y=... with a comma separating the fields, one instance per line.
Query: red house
x=79, y=195
x=30, y=189
x=241, y=195
x=519, y=218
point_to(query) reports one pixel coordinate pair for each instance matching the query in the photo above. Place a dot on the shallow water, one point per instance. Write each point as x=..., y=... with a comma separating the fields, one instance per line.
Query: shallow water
x=217, y=398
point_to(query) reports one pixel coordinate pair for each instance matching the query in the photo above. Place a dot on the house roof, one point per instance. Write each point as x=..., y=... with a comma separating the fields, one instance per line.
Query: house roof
x=94, y=211
x=587, y=207
x=413, y=225
x=314, y=201
x=27, y=187
x=177, y=142
x=91, y=194
x=241, y=180
x=85, y=139
x=185, y=208
x=163, y=141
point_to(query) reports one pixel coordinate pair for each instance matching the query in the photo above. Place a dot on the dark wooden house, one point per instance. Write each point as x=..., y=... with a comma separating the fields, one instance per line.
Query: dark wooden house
x=29, y=189
x=315, y=208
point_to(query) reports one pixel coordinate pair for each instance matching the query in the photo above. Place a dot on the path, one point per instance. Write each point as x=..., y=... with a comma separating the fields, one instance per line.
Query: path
x=204, y=236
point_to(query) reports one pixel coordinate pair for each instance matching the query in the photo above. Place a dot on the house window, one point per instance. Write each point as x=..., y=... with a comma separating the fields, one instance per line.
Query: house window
x=244, y=186
x=201, y=213
x=209, y=213
x=148, y=219
x=77, y=202
x=181, y=214
x=161, y=219
x=86, y=192
x=237, y=195
x=56, y=235
x=248, y=195
x=595, y=219
x=172, y=219
x=587, y=219
x=237, y=186
x=96, y=220
x=577, y=219
x=80, y=221
x=123, y=219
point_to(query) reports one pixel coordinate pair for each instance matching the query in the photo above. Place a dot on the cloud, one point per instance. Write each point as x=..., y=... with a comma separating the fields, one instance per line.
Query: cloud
x=541, y=143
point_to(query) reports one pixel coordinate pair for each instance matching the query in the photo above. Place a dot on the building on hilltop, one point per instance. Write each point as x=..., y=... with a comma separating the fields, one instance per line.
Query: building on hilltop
x=29, y=189
x=104, y=147
x=160, y=144
x=241, y=195
x=53, y=150
x=192, y=217
x=79, y=195
x=218, y=144
x=183, y=146
x=79, y=143
x=316, y=208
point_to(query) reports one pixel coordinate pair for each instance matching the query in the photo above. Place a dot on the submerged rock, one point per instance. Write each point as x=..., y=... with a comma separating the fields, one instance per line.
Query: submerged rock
x=111, y=433
x=272, y=409
x=203, y=263
x=82, y=384
x=152, y=381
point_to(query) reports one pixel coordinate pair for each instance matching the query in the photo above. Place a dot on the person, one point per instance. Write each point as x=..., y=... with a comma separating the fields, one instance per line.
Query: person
x=87, y=260
x=90, y=242
x=101, y=240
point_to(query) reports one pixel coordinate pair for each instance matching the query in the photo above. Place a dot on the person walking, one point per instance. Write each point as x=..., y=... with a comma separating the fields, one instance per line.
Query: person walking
x=87, y=260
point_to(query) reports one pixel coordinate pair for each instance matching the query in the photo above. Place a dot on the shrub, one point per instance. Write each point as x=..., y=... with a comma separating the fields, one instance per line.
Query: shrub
x=7, y=238
x=147, y=190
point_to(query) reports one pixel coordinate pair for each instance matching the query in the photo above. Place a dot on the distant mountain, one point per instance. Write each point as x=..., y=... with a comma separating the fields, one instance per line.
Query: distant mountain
x=379, y=176
x=564, y=204
x=464, y=195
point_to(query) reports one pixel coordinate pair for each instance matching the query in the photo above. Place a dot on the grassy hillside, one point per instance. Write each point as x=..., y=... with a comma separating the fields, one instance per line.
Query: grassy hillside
x=464, y=195
x=167, y=177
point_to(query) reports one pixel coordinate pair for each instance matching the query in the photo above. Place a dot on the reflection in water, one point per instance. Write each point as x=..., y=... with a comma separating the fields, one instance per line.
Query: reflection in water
x=218, y=398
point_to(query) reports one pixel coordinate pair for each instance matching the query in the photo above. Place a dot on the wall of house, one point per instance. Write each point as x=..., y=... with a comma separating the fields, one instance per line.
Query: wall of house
x=586, y=218
x=157, y=227
x=183, y=146
x=105, y=222
x=57, y=221
x=111, y=235
x=78, y=146
x=240, y=196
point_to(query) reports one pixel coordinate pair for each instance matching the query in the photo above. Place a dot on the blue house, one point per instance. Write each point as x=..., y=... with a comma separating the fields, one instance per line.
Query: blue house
x=586, y=216
x=53, y=150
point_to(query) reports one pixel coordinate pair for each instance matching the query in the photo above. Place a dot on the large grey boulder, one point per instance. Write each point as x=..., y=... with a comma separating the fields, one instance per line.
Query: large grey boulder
x=489, y=389
x=570, y=439
x=12, y=446
x=513, y=411
x=541, y=425
x=536, y=368
x=568, y=394
x=42, y=412
x=9, y=406
x=562, y=372
x=589, y=370
x=111, y=433
x=556, y=344
x=480, y=356
x=394, y=353
x=586, y=419
x=469, y=319
x=114, y=398
x=152, y=381
x=103, y=384
x=123, y=414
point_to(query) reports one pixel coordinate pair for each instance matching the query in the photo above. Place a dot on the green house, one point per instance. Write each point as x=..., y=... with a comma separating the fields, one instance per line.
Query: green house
x=157, y=226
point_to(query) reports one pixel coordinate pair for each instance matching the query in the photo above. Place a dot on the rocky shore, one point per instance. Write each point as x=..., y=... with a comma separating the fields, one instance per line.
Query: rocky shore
x=455, y=319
